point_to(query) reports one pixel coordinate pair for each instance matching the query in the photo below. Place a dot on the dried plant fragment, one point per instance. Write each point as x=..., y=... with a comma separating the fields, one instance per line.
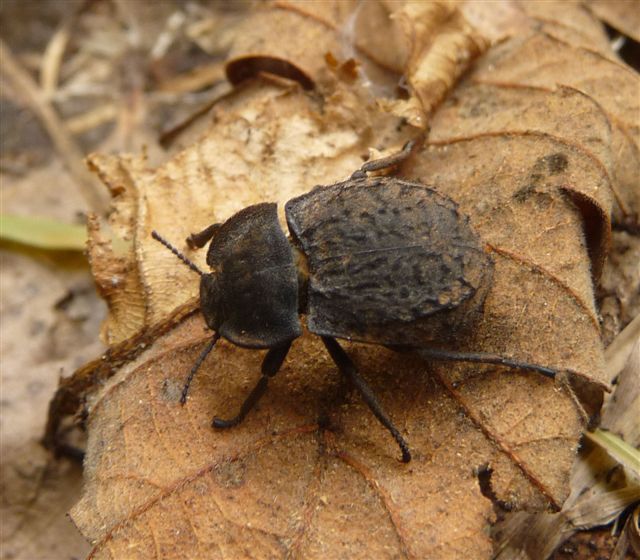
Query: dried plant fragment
x=112, y=253
x=442, y=46
x=567, y=21
x=276, y=40
x=620, y=14
x=600, y=492
x=546, y=62
x=563, y=117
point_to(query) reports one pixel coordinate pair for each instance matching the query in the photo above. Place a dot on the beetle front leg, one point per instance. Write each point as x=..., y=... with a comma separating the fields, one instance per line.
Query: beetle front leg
x=348, y=369
x=270, y=366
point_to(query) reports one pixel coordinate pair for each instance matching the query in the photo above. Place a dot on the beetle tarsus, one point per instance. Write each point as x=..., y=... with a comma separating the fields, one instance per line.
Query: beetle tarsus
x=270, y=366
x=221, y=424
x=248, y=404
x=348, y=369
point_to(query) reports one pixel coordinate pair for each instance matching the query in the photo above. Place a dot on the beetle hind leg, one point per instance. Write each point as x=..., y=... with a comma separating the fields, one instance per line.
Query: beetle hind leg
x=348, y=369
x=392, y=160
x=270, y=366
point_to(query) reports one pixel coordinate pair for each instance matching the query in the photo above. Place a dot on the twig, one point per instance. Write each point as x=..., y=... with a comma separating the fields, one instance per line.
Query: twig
x=53, y=55
x=64, y=144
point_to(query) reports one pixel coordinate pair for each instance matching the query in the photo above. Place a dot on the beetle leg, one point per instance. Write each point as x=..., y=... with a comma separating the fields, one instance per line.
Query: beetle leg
x=196, y=367
x=200, y=239
x=270, y=366
x=385, y=162
x=482, y=358
x=348, y=369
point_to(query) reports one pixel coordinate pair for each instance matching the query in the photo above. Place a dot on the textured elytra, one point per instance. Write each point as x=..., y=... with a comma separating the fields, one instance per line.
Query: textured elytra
x=390, y=261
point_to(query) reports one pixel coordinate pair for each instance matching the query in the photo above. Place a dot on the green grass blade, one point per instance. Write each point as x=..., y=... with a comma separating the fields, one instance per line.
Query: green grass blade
x=625, y=454
x=43, y=233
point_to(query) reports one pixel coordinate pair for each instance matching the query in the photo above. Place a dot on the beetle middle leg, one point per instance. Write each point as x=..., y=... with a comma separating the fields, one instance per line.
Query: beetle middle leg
x=348, y=369
x=200, y=239
x=270, y=366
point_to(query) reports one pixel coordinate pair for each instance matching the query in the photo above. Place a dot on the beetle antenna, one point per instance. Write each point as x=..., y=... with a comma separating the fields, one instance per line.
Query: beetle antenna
x=177, y=253
x=196, y=367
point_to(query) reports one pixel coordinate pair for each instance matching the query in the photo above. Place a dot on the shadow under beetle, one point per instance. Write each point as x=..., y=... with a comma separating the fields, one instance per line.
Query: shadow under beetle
x=371, y=259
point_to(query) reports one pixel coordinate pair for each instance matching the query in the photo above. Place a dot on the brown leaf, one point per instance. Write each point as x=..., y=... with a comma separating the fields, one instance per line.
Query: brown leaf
x=546, y=62
x=620, y=14
x=499, y=21
x=112, y=252
x=310, y=472
x=601, y=488
x=270, y=40
x=441, y=47
x=572, y=126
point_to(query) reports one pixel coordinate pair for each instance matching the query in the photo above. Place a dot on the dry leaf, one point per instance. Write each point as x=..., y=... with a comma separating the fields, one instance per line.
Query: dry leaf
x=600, y=490
x=543, y=61
x=620, y=14
x=620, y=412
x=111, y=253
x=498, y=21
x=310, y=473
x=620, y=288
x=269, y=40
x=441, y=47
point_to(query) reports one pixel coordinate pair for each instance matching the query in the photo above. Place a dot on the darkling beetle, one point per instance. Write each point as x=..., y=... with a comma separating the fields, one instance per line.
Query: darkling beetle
x=371, y=259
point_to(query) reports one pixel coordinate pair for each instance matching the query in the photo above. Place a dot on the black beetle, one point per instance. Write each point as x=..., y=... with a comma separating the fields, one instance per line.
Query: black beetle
x=371, y=259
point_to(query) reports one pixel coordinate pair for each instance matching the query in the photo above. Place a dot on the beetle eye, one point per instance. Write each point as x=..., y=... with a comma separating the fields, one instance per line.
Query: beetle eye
x=209, y=299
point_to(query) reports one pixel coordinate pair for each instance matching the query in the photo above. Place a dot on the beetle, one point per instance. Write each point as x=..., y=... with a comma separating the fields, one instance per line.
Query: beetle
x=373, y=259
